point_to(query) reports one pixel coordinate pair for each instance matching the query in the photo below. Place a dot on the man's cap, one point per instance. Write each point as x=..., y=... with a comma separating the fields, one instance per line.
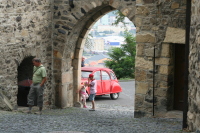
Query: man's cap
x=91, y=75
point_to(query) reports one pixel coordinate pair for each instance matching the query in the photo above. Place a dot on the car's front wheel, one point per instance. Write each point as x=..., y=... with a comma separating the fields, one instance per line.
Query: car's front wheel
x=114, y=96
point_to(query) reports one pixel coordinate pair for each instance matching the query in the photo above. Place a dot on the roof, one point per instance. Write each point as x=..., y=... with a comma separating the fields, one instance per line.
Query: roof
x=94, y=68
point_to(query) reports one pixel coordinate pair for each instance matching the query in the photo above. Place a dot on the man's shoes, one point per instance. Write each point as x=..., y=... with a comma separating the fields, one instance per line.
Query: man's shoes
x=38, y=113
x=92, y=110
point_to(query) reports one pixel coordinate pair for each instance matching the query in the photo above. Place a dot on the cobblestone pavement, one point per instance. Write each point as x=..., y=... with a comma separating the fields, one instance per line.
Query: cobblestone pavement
x=105, y=119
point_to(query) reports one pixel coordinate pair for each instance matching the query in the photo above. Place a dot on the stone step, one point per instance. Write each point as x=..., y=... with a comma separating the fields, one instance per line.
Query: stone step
x=174, y=114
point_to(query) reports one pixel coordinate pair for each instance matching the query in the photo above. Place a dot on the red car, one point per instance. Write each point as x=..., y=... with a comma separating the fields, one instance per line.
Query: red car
x=107, y=82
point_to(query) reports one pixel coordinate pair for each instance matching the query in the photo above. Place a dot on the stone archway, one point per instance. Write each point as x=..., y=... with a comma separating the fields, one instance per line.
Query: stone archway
x=71, y=30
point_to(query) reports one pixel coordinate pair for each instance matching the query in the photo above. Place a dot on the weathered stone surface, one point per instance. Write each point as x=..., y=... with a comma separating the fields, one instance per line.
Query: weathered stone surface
x=142, y=10
x=142, y=88
x=175, y=5
x=139, y=49
x=150, y=52
x=144, y=64
x=139, y=99
x=163, y=61
x=165, y=69
x=166, y=50
x=145, y=37
x=141, y=75
x=175, y=35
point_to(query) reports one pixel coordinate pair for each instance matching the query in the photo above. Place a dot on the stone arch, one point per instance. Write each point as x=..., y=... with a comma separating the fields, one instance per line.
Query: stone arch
x=71, y=39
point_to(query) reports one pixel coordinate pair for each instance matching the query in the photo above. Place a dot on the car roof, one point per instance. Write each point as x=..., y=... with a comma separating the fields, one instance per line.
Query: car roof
x=94, y=69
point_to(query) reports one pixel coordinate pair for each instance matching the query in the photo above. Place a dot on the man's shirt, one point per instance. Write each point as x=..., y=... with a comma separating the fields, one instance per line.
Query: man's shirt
x=39, y=73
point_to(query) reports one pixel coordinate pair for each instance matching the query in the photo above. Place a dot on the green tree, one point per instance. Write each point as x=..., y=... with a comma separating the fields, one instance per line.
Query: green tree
x=123, y=59
x=119, y=18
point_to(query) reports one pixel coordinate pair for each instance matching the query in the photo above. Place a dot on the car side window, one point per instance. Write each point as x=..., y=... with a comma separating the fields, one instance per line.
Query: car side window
x=85, y=74
x=97, y=75
x=105, y=75
x=112, y=75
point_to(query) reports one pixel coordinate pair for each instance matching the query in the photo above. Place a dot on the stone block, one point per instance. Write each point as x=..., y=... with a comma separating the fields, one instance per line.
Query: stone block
x=139, y=49
x=143, y=64
x=141, y=87
x=175, y=35
x=142, y=10
x=81, y=42
x=165, y=70
x=57, y=54
x=175, y=5
x=190, y=115
x=125, y=12
x=139, y=99
x=166, y=50
x=140, y=75
x=114, y=4
x=138, y=21
x=139, y=2
x=161, y=92
x=64, y=96
x=162, y=84
x=162, y=61
x=150, y=52
x=145, y=38
x=67, y=77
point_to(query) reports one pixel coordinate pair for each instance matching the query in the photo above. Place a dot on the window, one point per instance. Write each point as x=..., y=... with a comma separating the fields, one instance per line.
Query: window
x=85, y=74
x=105, y=76
x=97, y=75
x=112, y=75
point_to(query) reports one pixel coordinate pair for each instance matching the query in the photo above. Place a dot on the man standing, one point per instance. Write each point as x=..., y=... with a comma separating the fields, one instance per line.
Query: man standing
x=93, y=89
x=83, y=62
x=37, y=88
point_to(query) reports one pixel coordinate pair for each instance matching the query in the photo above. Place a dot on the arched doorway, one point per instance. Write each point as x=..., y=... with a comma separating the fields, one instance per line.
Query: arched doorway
x=69, y=36
x=25, y=72
x=82, y=38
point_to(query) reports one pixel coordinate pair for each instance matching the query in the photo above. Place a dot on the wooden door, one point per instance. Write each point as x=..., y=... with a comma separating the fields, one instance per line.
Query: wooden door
x=179, y=76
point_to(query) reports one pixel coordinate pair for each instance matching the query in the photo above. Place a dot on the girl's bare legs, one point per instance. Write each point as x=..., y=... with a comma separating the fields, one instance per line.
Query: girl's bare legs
x=84, y=101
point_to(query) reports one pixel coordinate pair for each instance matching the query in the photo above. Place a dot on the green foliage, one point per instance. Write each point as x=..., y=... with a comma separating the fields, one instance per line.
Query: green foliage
x=119, y=18
x=123, y=59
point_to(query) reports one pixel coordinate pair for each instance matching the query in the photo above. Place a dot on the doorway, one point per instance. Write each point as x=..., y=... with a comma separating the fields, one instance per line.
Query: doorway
x=179, y=76
x=25, y=72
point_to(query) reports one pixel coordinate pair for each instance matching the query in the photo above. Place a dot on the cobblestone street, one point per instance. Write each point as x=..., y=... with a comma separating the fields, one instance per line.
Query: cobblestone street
x=106, y=119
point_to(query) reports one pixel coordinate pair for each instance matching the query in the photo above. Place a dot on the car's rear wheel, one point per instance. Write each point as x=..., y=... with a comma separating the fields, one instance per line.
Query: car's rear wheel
x=114, y=96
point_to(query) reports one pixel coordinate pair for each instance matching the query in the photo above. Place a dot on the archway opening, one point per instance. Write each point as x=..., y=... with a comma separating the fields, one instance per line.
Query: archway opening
x=25, y=72
x=101, y=38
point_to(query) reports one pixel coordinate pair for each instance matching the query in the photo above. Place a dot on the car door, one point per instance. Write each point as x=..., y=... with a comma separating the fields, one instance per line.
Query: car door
x=106, y=82
x=97, y=76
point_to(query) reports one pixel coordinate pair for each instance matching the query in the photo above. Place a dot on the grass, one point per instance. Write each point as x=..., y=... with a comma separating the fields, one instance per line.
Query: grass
x=125, y=79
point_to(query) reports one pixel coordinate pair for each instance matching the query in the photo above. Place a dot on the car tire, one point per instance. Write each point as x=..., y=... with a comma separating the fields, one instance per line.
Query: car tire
x=114, y=96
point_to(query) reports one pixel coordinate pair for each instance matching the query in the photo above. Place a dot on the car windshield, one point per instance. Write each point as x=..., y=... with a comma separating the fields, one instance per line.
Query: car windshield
x=85, y=74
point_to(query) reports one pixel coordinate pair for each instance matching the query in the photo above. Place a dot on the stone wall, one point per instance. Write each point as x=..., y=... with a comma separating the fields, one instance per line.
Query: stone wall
x=194, y=69
x=25, y=30
x=55, y=32
x=155, y=21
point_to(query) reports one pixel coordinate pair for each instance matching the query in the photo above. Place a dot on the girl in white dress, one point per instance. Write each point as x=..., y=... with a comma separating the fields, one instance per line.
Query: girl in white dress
x=83, y=94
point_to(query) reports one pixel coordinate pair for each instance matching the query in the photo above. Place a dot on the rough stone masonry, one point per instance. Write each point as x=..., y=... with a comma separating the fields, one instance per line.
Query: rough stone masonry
x=56, y=32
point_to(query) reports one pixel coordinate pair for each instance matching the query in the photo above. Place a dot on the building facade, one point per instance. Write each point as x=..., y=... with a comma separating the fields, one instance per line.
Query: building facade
x=55, y=31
